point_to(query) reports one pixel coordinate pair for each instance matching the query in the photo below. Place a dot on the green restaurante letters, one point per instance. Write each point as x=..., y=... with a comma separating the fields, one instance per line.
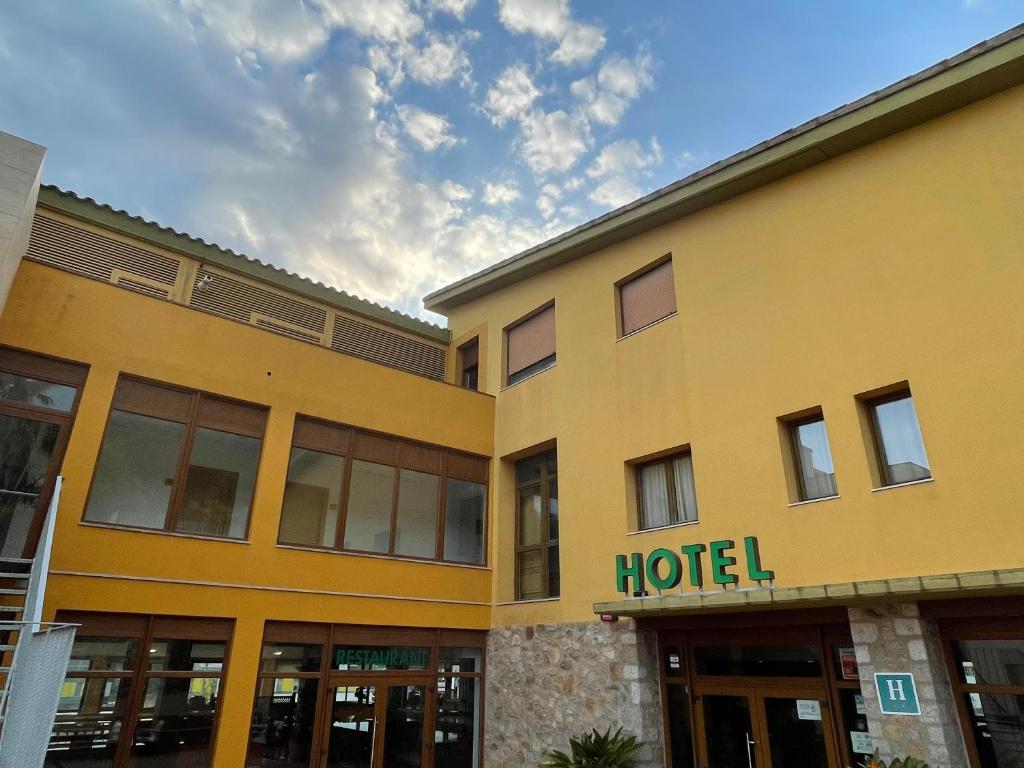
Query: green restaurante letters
x=664, y=568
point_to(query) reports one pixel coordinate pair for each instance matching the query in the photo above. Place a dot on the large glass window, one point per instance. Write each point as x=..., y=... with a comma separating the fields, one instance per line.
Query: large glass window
x=457, y=727
x=284, y=712
x=102, y=723
x=900, y=447
x=176, y=460
x=365, y=492
x=815, y=474
x=667, y=495
x=537, y=571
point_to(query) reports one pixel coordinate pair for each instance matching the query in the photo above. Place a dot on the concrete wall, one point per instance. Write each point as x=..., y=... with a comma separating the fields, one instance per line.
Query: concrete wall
x=21, y=164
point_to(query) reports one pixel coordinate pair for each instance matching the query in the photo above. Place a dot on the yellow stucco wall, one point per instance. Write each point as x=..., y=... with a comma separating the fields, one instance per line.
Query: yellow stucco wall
x=114, y=331
x=900, y=261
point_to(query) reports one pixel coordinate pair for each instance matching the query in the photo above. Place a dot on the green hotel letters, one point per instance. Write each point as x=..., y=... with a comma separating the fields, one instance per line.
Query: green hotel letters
x=663, y=568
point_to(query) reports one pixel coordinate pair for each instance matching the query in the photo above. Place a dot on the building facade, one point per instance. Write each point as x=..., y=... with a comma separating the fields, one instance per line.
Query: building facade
x=734, y=467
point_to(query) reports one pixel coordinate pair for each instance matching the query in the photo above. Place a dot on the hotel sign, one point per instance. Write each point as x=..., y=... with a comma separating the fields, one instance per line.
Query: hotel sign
x=665, y=568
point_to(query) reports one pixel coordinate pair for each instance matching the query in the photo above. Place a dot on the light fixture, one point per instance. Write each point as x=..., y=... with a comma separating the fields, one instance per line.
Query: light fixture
x=152, y=650
x=278, y=653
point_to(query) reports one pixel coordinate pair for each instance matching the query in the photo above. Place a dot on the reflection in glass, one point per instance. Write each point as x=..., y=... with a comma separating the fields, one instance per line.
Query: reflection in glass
x=531, y=517
x=219, y=485
x=380, y=657
x=416, y=526
x=176, y=723
x=311, y=498
x=794, y=741
x=531, y=575
x=457, y=725
x=283, y=719
x=461, y=660
x=727, y=732
x=135, y=472
x=680, y=734
x=101, y=654
x=403, y=729
x=90, y=717
x=902, y=447
x=465, y=503
x=370, y=497
x=997, y=721
x=814, y=461
x=42, y=394
x=758, y=660
x=26, y=446
x=284, y=657
x=184, y=655
x=990, y=662
x=352, y=727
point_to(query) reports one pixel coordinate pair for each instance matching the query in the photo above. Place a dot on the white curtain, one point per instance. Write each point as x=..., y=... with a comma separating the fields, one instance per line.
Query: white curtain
x=653, y=496
x=686, y=495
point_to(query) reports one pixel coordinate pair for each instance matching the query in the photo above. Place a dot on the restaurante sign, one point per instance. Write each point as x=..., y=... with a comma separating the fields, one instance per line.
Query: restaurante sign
x=663, y=568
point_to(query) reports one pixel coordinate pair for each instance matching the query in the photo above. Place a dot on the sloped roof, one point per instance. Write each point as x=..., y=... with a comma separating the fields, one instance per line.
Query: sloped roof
x=982, y=70
x=135, y=226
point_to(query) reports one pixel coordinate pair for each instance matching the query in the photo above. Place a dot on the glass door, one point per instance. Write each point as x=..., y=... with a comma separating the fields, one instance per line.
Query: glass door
x=765, y=728
x=28, y=458
x=352, y=733
x=404, y=726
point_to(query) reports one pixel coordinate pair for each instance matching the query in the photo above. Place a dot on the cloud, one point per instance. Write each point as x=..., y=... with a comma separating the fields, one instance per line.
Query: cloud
x=618, y=169
x=551, y=20
x=548, y=199
x=456, y=8
x=553, y=141
x=440, y=59
x=455, y=192
x=427, y=129
x=500, y=194
x=511, y=96
x=620, y=81
x=260, y=28
x=380, y=19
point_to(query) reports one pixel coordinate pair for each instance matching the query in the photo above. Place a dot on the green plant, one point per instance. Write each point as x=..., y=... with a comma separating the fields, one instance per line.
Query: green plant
x=897, y=762
x=596, y=750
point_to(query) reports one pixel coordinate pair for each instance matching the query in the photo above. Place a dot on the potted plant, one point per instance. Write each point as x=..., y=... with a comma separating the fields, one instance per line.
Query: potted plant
x=897, y=762
x=596, y=750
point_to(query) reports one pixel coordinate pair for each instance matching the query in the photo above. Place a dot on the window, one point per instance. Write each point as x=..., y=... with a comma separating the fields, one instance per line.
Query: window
x=898, y=442
x=646, y=298
x=457, y=727
x=530, y=345
x=177, y=460
x=666, y=493
x=363, y=492
x=816, y=477
x=140, y=690
x=469, y=364
x=537, y=573
x=38, y=396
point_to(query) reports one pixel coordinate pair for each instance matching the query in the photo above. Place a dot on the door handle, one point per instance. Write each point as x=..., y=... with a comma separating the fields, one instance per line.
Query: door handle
x=750, y=755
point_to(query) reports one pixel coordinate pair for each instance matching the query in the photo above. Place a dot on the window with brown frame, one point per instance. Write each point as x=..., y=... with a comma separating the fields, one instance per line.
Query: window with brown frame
x=666, y=494
x=358, y=491
x=38, y=399
x=537, y=566
x=530, y=344
x=812, y=457
x=140, y=690
x=646, y=298
x=177, y=460
x=897, y=438
x=469, y=364
x=433, y=677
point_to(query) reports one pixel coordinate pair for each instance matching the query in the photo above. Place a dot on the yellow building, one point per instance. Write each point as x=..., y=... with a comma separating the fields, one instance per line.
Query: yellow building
x=733, y=467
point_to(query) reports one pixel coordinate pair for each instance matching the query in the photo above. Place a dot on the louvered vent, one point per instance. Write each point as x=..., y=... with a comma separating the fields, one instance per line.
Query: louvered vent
x=371, y=343
x=83, y=252
x=225, y=296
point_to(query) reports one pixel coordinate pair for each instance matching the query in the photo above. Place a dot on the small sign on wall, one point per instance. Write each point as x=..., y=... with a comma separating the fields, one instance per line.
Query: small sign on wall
x=897, y=694
x=808, y=709
x=861, y=743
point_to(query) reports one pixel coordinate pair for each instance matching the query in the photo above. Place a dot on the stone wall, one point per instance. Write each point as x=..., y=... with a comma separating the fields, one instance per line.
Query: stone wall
x=894, y=638
x=548, y=682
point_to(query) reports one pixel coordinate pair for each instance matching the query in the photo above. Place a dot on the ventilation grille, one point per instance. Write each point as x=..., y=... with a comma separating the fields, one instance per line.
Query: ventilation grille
x=83, y=252
x=225, y=296
x=355, y=338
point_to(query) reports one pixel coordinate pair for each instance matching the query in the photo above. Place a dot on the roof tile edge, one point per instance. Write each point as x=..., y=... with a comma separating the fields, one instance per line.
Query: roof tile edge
x=104, y=215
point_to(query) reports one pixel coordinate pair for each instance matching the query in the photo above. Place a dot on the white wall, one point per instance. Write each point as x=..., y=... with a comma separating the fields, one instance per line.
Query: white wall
x=21, y=164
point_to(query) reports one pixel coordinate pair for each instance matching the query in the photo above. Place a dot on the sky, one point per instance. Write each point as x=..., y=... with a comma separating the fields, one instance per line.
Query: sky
x=390, y=147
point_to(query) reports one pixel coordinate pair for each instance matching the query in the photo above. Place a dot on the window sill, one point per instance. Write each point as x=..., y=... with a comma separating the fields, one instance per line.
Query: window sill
x=812, y=501
x=660, y=320
x=663, y=527
x=531, y=602
x=399, y=558
x=161, y=532
x=533, y=375
x=903, y=485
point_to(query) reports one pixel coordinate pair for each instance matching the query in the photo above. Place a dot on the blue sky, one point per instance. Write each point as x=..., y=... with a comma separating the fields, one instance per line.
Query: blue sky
x=388, y=147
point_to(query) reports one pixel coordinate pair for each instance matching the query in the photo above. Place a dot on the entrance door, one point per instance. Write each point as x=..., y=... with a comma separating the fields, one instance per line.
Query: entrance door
x=378, y=725
x=764, y=728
